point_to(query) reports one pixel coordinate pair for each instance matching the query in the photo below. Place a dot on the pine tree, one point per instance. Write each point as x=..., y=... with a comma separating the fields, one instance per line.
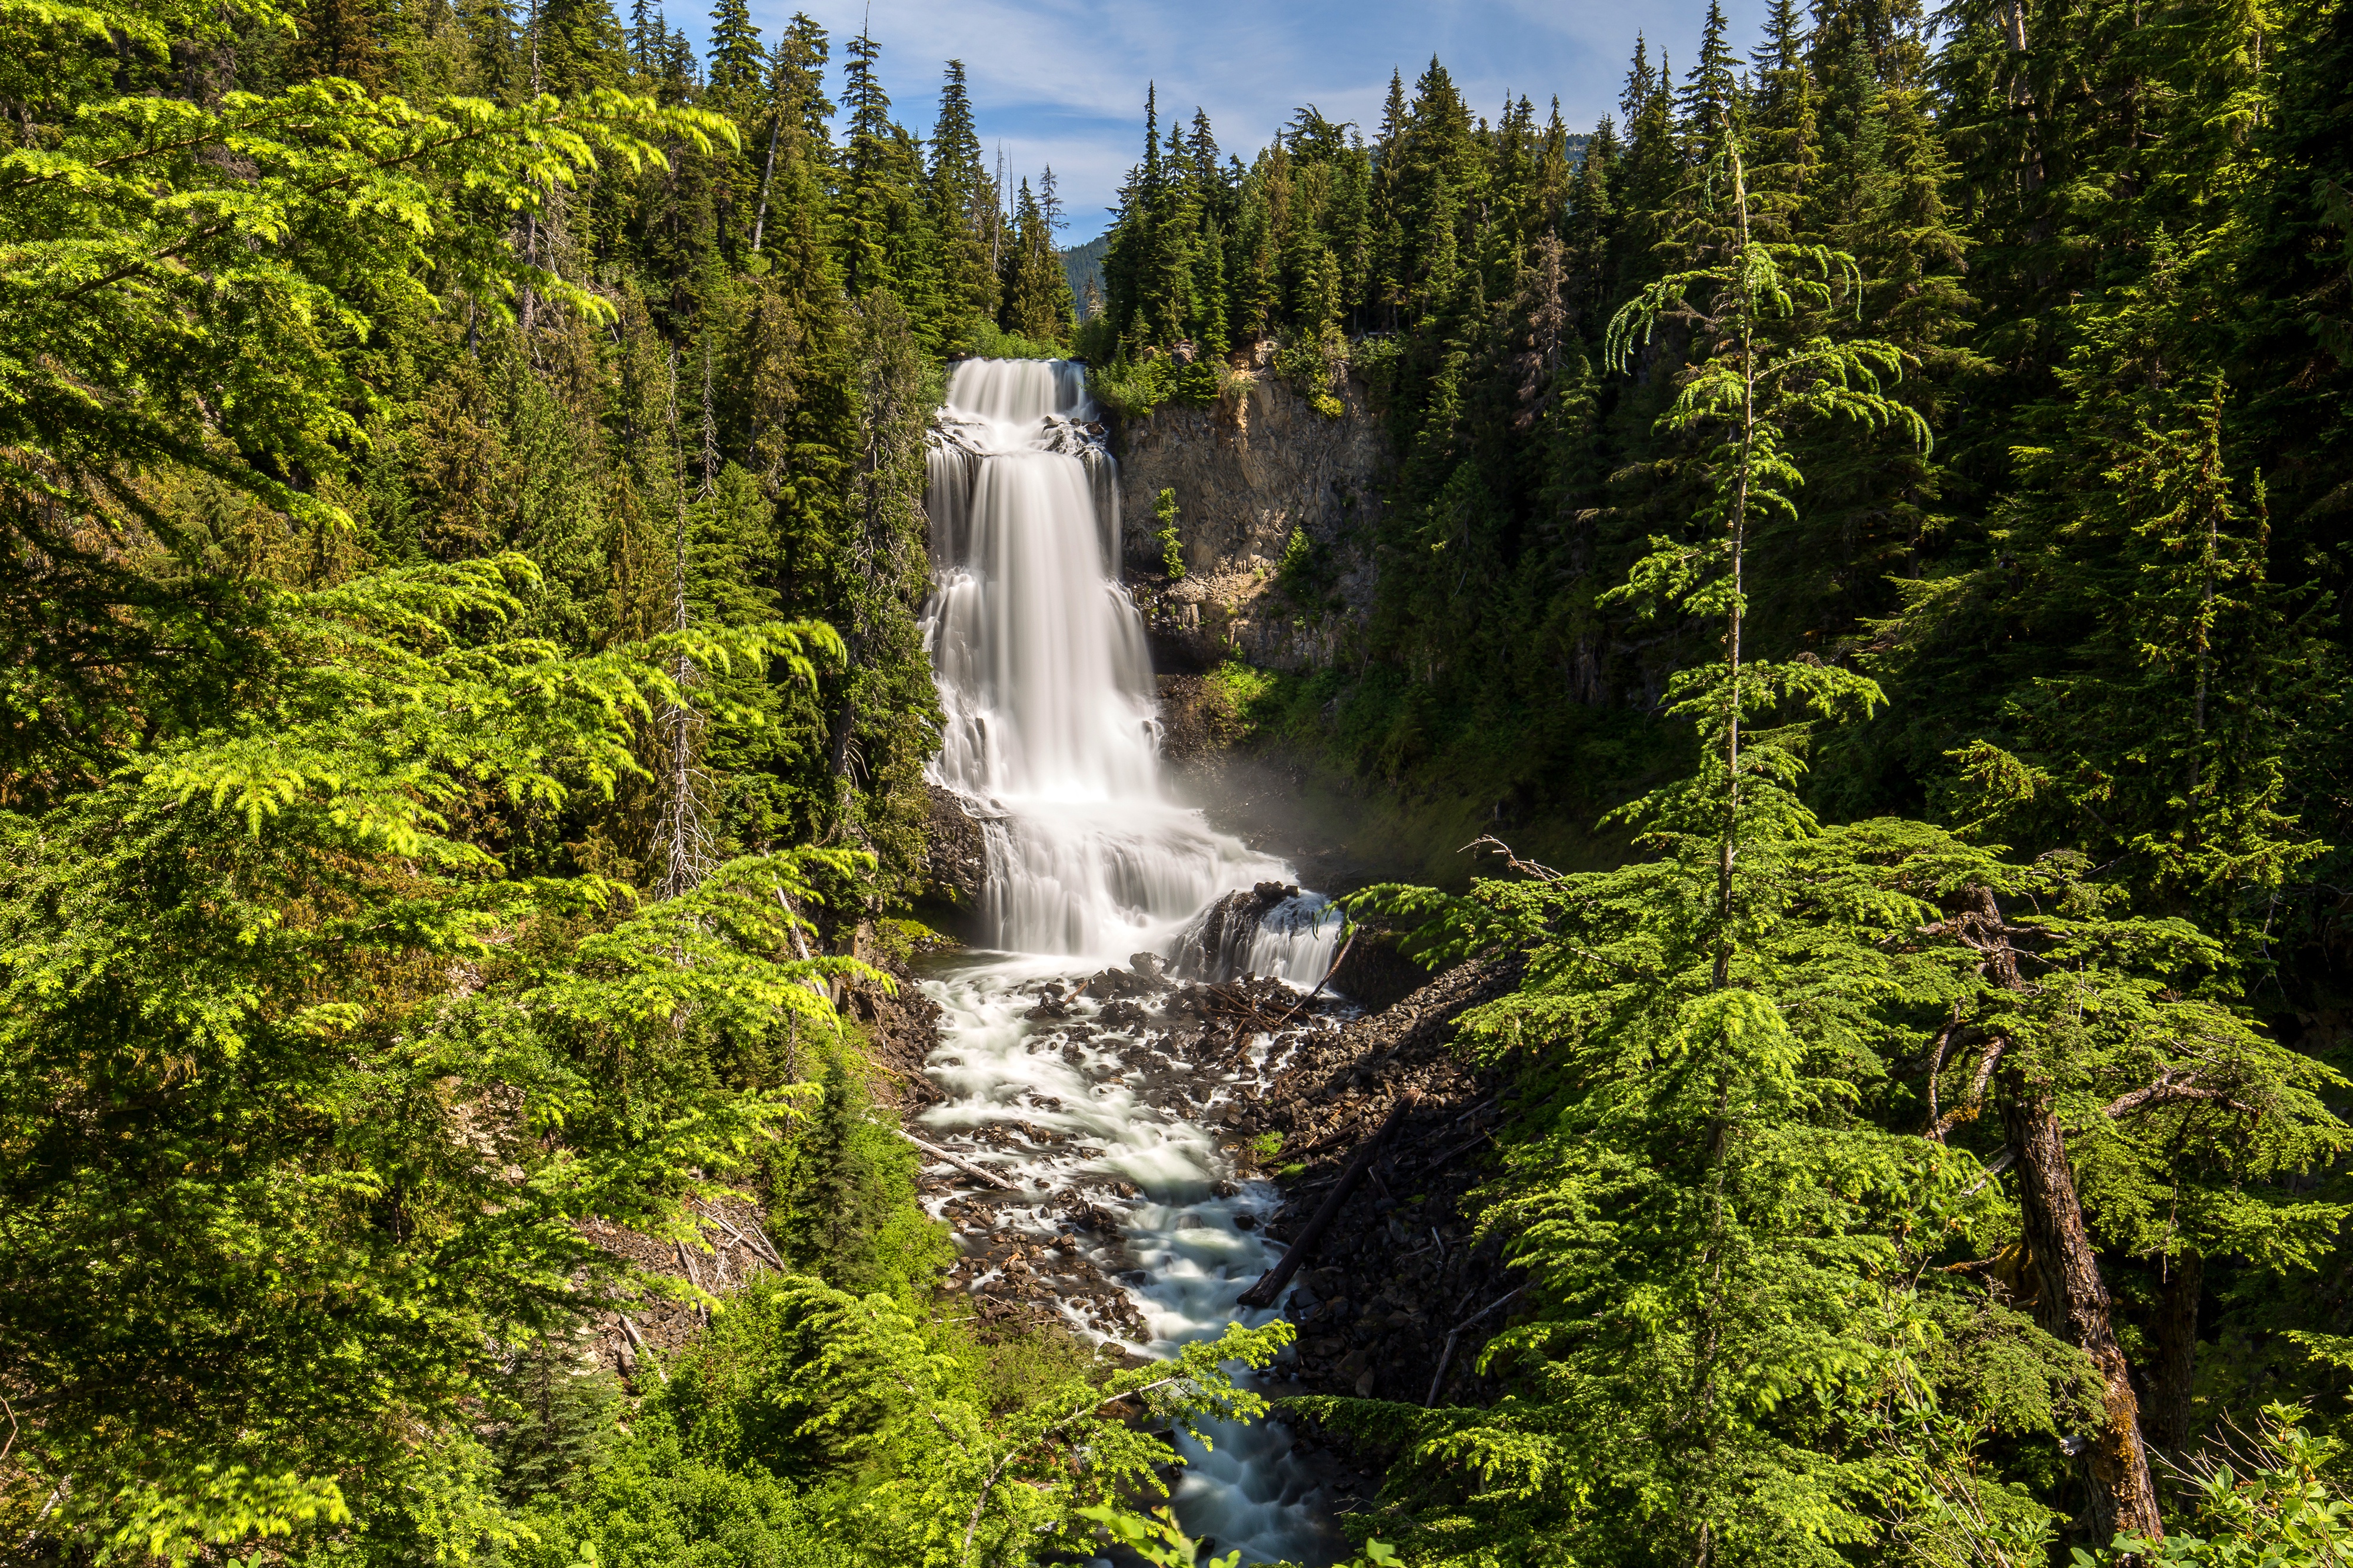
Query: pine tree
x=342, y=38
x=882, y=220
x=582, y=48
x=1711, y=93
x=888, y=713
x=2130, y=544
x=962, y=206
x=735, y=56
x=1035, y=289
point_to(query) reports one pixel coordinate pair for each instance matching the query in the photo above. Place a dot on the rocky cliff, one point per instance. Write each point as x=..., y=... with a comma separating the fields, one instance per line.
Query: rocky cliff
x=1247, y=472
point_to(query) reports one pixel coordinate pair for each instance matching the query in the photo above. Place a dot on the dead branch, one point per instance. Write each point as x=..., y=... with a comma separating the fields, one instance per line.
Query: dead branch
x=1446, y=1355
x=967, y=1166
x=1528, y=868
x=2170, y=1090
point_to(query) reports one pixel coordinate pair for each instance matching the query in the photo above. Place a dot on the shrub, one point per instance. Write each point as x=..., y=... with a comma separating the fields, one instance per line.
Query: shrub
x=987, y=340
x=1172, y=550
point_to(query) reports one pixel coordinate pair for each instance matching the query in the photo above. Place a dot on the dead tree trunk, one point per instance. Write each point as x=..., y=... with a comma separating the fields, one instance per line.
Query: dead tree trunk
x=2170, y=1419
x=2072, y=1304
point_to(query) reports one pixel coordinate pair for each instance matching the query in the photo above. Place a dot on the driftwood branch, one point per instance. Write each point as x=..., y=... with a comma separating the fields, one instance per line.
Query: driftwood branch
x=1270, y=1284
x=756, y=1243
x=1340, y=959
x=637, y=1343
x=967, y=1167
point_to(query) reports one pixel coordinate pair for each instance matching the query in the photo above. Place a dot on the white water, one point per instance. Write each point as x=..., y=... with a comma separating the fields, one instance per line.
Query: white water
x=1053, y=731
x=1052, y=738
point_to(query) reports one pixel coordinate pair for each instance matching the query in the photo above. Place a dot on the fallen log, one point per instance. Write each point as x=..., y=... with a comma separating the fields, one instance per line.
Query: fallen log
x=1270, y=1284
x=967, y=1167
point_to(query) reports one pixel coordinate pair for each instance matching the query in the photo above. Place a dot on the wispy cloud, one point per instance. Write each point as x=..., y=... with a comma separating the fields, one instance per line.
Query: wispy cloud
x=1062, y=81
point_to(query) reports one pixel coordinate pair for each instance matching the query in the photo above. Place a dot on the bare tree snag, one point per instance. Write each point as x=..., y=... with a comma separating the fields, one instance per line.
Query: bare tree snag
x=2072, y=1304
x=2170, y=1422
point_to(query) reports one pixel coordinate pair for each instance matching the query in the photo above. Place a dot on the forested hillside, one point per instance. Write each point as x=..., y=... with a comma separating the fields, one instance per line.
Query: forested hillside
x=1898, y=473
x=463, y=551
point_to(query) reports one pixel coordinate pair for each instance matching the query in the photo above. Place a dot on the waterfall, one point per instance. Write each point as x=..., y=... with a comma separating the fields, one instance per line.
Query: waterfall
x=1052, y=735
x=1052, y=742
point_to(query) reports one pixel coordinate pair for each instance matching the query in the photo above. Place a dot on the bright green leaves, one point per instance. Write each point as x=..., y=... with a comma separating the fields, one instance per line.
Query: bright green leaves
x=229, y=253
x=2270, y=1507
x=305, y=1101
x=1155, y=1537
x=872, y=1419
x=389, y=709
x=1721, y=1237
x=185, y=292
x=224, y=1505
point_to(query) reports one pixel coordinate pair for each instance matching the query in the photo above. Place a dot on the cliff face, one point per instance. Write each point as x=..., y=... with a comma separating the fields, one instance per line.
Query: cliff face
x=1247, y=472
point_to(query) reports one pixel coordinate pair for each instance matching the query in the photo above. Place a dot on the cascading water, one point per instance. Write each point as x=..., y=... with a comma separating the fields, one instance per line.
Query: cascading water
x=1052, y=729
x=1052, y=742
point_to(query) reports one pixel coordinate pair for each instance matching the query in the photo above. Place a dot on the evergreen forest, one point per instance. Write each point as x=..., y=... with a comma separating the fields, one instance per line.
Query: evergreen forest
x=1881, y=499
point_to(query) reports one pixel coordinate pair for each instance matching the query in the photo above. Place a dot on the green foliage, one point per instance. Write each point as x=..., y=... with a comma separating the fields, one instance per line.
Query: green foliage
x=559, y=1422
x=1733, y=1340
x=2283, y=1510
x=1713, y=1224
x=1314, y=368
x=810, y=1419
x=1172, y=547
x=987, y=340
x=845, y=1191
x=344, y=1162
x=1134, y=389
x=1156, y=1538
x=395, y=462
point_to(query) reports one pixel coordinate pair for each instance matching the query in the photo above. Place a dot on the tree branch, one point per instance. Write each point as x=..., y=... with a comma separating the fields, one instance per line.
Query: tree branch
x=2170, y=1090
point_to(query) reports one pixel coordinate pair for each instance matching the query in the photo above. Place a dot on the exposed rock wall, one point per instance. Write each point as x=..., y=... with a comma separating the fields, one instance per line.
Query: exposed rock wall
x=1247, y=472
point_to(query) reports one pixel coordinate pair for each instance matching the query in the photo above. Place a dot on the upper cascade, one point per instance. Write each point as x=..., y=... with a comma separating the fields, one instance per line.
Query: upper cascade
x=1018, y=391
x=1052, y=731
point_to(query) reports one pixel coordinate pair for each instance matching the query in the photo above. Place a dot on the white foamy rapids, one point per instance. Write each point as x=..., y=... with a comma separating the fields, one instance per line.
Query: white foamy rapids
x=1295, y=939
x=1248, y=1490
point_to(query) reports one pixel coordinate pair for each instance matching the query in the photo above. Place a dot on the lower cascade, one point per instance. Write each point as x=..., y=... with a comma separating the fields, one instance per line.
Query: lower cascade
x=1109, y=1112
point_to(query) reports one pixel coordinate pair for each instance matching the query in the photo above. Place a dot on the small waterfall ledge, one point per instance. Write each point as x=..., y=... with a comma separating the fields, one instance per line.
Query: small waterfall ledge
x=1111, y=1116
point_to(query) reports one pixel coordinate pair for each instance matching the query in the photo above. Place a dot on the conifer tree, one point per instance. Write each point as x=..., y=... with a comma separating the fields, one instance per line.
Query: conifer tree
x=883, y=224
x=735, y=55
x=340, y=39
x=962, y=207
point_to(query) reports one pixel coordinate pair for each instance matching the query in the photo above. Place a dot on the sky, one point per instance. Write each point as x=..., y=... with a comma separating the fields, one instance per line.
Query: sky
x=1062, y=81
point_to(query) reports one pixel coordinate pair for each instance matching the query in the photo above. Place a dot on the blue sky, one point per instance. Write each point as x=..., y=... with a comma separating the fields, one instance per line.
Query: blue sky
x=1062, y=81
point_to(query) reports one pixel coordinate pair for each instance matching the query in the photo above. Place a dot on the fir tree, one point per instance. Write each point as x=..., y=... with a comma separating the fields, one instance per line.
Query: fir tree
x=962, y=206
x=735, y=56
